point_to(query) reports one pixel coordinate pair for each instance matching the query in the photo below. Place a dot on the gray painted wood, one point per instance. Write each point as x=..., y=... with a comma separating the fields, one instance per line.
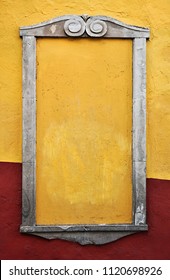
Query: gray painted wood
x=76, y=228
x=29, y=131
x=28, y=194
x=81, y=234
x=139, y=129
x=86, y=238
x=95, y=27
x=84, y=26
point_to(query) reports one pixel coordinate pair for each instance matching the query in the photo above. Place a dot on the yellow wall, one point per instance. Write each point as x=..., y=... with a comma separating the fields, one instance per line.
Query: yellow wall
x=153, y=14
x=84, y=131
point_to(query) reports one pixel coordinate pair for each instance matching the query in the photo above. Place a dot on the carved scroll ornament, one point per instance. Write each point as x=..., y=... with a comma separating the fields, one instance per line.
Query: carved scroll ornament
x=77, y=27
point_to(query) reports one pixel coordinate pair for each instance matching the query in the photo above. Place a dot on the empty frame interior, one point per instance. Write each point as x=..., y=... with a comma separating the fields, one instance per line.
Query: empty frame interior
x=84, y=123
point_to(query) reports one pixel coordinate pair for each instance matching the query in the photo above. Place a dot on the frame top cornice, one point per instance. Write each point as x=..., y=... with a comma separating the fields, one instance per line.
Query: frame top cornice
x=84, y=26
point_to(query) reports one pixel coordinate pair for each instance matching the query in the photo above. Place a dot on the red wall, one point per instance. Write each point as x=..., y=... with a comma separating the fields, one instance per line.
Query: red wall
x=154, y=244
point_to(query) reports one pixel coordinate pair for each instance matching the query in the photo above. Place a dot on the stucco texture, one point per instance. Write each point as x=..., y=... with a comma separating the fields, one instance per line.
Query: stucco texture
x=153, y=244
x=153, y=14
x=84, y=131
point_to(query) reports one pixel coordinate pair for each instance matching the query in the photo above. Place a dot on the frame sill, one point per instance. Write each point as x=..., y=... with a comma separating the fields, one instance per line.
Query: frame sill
x=85, y=234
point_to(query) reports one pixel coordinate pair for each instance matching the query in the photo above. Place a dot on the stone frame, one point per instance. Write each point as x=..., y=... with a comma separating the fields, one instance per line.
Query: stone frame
x=82, y=27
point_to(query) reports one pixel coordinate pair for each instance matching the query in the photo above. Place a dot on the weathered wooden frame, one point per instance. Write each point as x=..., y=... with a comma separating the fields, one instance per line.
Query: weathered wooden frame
x=83, y=27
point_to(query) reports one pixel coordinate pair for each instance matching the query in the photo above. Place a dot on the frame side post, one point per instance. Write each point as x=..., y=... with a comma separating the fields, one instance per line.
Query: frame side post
x=29, y=131
x=139, y=130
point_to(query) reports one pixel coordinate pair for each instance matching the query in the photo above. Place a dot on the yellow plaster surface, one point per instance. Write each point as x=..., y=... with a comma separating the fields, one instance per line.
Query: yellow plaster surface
x=84, y=131
x=153, y=14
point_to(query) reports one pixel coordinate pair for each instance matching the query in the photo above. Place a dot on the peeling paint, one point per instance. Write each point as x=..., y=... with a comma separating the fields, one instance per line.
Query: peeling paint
x=53, y=28
x=139, y=216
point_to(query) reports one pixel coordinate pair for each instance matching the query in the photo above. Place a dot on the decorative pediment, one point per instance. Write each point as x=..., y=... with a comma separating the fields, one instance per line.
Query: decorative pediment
x=84, y=26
